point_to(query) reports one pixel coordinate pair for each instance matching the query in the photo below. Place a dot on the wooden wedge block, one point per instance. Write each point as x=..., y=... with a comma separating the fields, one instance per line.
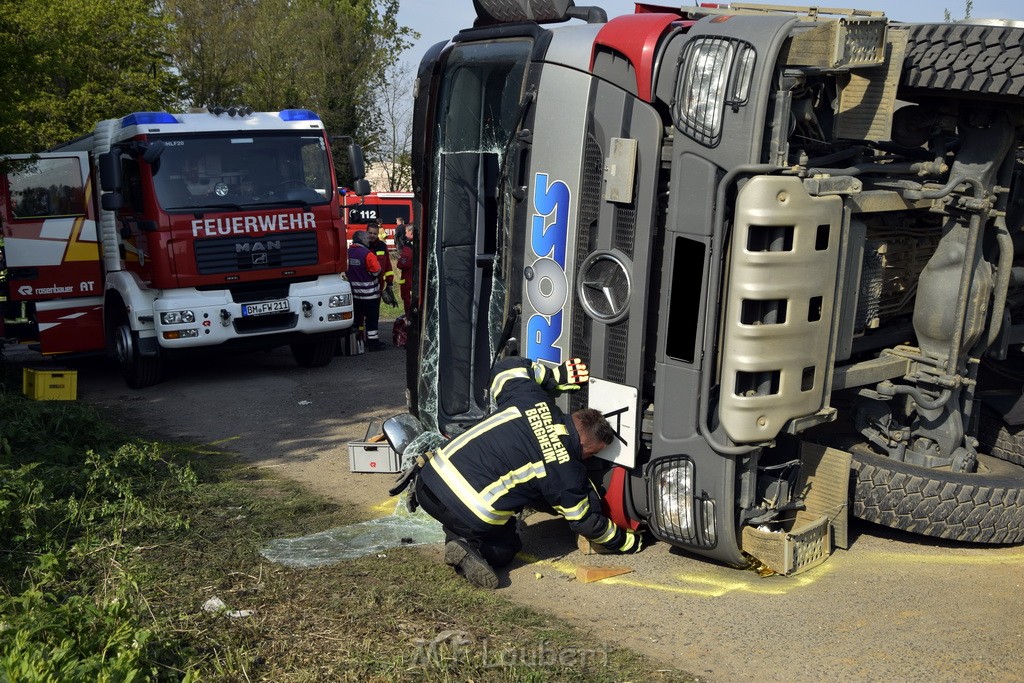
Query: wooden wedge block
x=588, y=548
x=592, y=574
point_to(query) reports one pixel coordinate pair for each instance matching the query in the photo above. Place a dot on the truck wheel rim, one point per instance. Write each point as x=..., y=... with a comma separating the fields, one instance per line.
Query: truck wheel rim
x=123, y=344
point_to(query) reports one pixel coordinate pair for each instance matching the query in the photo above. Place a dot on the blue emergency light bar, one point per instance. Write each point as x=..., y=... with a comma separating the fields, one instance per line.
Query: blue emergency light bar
x=298, y=115
x=147, y=118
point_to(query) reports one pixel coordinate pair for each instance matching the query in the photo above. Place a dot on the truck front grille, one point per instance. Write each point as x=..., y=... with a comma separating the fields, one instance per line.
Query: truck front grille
x=234, y=254
x=590, y=204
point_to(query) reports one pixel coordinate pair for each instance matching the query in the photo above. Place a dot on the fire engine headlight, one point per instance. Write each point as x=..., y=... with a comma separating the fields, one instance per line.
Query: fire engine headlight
x=339, y=300
x=177, y=317
x=677, y=513
x=713, y=73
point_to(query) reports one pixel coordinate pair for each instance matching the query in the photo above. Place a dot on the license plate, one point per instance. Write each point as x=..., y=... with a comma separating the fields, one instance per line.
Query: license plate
x=265, y=307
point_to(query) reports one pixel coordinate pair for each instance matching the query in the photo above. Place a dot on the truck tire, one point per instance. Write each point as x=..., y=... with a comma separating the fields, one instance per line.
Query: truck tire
x=138, y=371
x=999, y=439
x=965, y=58
x=984, y=507
x=314, y=354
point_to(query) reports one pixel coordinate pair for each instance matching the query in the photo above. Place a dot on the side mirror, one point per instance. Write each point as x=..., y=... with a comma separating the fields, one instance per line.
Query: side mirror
x=356, y=164
x=401, y=430
x=111, y=201
x=110, y=171
x=361, y=187
x=153, y=151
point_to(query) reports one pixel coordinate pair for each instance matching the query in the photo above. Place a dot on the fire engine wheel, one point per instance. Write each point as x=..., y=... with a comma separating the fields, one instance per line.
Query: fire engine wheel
x=965, y=58
x=138, y=371
x=314, y=354
x=984, y=507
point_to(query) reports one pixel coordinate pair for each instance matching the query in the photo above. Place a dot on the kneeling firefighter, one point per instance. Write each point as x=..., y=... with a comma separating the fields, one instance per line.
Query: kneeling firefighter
x=526, y=452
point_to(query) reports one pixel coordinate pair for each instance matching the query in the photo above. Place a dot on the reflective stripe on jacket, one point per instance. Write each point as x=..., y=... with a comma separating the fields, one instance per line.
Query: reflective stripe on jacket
x=363, y=271
x=380, y=250
x=526, y=452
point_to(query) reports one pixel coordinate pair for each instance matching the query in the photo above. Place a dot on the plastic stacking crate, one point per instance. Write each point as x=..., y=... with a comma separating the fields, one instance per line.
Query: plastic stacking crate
x=372, y=456
x=54, y=384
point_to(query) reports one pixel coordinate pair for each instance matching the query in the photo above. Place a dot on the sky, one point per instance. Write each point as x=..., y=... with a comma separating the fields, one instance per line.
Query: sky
x=438, y=20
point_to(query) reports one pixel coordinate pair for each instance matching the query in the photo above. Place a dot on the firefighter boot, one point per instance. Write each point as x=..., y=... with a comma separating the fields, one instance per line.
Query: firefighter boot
x=468, y=563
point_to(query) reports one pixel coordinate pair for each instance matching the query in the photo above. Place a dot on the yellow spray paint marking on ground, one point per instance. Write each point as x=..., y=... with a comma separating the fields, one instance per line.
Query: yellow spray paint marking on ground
x=887, y=556
x=386, y=507
x=700, y=585
x=710, y=586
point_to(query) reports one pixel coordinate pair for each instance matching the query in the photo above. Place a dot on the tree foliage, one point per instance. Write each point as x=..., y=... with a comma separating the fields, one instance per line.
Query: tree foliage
x=323, y=55
x=70, y=63
x=968, y=8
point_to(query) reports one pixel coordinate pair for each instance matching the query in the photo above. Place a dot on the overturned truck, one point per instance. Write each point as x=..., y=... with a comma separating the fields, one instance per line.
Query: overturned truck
x=788, y=243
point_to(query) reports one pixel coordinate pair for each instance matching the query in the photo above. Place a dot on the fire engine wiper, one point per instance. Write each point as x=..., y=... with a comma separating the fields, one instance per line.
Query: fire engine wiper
x=211, y=207
x=292, y=202
x=529, y=98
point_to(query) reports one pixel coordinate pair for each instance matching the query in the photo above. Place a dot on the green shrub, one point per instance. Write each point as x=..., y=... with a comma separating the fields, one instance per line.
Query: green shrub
x=76, y=498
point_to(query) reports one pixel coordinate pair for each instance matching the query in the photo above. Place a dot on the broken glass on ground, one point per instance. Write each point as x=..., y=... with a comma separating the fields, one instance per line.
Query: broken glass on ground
x=399, y=529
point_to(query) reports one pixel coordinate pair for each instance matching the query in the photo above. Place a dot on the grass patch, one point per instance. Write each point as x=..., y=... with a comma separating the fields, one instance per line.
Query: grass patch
x=110, y=546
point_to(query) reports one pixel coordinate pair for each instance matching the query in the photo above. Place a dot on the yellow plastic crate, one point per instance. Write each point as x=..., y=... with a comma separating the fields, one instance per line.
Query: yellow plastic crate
x=56, y=384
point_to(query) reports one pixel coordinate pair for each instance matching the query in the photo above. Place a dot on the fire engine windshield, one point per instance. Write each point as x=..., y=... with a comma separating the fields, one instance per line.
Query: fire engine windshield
x=243, y=170
x=477, y=110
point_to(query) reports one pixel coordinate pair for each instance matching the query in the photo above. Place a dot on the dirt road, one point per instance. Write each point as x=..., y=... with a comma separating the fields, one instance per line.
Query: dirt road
x=893, y=607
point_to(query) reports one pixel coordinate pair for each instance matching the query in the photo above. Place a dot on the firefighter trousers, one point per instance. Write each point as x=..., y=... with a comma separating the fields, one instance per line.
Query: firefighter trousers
x=498, y=546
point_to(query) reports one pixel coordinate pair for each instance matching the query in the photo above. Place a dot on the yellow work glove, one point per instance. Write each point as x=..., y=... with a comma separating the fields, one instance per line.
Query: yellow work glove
x=634, y=542
x=571, y=374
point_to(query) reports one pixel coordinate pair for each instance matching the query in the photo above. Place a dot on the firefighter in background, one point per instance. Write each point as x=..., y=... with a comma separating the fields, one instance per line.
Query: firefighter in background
x=526, y=453
x=404, y=238
x=364, y=275
x=387, y=275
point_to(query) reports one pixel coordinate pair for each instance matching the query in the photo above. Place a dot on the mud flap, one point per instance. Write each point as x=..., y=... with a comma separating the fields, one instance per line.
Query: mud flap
x=807, y=540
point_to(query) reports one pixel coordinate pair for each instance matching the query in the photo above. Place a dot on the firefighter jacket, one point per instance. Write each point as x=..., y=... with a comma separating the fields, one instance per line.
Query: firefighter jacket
x=363, y=272
x=405, y=260
x=387, y=274
x=526, y=451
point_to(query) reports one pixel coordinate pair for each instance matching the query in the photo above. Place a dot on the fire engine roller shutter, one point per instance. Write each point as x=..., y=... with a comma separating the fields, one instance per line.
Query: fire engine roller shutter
x=231, y=254
x=777, y=341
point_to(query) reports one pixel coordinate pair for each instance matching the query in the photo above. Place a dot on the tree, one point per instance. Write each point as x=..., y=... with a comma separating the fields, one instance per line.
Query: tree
x=968, y=7
x=70, y=63
x=394, y=153
x=322, y=55
x=204, y=45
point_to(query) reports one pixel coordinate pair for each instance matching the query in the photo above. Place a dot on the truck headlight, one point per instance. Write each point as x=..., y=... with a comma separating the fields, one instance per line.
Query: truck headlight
x=339, y=300
x=177, y=317
x=713, y=72
x=676, y=513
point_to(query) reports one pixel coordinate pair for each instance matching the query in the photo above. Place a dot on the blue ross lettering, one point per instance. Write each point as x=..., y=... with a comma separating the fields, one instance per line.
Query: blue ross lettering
x=541, y=335
x=548, y=239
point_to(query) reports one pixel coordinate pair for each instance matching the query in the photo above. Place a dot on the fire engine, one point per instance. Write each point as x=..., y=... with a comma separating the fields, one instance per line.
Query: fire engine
x=384, y=208
x=787, y=241
x=208, y=231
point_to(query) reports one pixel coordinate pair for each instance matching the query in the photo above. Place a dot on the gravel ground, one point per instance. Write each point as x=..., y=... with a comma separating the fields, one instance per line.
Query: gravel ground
x=894, y=607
